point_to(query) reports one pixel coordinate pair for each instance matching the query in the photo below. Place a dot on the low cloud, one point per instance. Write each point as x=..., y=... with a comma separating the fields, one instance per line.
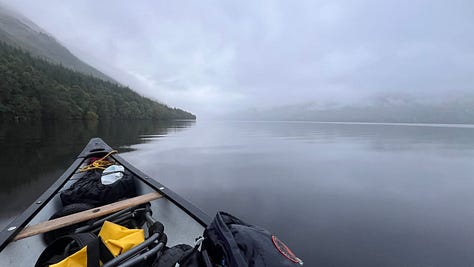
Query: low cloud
x=214, y=57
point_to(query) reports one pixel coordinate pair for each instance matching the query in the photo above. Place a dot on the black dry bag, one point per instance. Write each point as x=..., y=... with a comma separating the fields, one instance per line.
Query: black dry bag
x=89, y=189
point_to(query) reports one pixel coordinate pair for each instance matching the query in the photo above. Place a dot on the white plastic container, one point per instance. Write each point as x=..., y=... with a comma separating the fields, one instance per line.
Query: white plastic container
x=112, y=174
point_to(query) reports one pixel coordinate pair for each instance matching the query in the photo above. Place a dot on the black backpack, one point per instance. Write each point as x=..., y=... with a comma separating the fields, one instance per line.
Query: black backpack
x=89, y=189
x=231, y=242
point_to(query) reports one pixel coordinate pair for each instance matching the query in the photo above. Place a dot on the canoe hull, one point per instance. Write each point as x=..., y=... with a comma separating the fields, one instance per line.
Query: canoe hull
x=183, y=221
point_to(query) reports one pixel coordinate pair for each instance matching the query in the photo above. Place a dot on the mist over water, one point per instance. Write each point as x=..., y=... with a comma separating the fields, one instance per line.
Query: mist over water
x=337, y=194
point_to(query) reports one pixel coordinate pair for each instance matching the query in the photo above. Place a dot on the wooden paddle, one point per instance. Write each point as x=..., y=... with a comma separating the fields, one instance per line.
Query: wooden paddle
x=86, y=215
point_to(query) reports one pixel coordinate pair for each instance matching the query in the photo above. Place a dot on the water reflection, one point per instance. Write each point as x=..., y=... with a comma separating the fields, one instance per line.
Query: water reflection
x=34, y=155
x=409, y=136
x=339, y=195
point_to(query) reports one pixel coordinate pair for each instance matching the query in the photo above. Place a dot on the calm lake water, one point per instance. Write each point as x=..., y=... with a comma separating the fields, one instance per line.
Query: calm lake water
x=337, y=194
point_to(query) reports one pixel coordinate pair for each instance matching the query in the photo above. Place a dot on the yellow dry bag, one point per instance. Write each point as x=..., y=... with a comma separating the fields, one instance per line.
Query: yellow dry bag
x=116, y=238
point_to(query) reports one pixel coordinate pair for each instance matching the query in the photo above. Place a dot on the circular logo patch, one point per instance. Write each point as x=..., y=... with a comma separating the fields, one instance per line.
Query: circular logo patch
x=285, y=250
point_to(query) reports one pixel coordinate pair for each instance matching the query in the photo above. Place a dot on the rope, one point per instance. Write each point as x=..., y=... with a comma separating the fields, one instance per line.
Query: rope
x=101, y=163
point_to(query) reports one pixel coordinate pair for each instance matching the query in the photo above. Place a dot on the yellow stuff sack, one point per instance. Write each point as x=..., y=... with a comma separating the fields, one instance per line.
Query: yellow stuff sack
x=78, y=259
x=119, y=239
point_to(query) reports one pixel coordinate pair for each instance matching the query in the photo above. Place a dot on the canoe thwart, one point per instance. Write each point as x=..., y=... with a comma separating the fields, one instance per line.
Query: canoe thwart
x=86, y=215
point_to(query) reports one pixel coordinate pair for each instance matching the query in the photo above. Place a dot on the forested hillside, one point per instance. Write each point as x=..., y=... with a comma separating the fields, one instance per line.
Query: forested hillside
x=32, y=88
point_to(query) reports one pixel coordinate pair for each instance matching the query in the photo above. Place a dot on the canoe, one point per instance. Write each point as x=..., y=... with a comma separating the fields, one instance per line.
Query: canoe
x=21, y=242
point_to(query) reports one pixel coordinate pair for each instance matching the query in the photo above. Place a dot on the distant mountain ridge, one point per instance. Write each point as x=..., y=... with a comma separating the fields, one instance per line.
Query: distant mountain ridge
x=387, y=109
x=19, y=31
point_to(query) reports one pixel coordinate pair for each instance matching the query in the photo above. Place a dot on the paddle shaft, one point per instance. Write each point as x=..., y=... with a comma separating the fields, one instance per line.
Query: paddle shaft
x=86, y=215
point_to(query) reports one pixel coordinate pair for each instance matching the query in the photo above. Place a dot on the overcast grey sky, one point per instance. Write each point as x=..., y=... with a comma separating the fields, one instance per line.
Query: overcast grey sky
x=218, y=56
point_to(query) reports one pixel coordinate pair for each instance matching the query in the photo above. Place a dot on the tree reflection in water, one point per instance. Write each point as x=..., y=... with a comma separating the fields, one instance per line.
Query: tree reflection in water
x=34, y=155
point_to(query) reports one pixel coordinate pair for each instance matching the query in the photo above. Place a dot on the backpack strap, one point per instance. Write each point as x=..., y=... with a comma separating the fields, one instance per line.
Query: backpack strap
x=62, y=247
x=105, y=254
